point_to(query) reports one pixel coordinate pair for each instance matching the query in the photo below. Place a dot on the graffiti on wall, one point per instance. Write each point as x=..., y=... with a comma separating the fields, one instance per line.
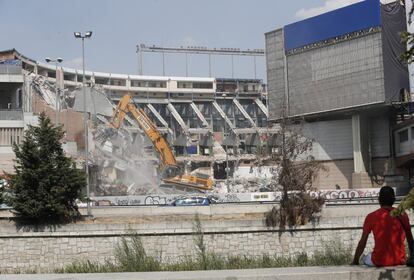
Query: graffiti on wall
x=155, y=200
x=234, y=197
x=345, y=194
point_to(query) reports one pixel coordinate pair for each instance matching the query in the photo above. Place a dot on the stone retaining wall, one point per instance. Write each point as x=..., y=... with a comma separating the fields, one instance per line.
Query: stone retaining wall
x=46, y=249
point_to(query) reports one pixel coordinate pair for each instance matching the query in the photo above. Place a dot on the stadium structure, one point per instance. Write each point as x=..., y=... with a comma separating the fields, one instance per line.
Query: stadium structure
x=341, y=72
x=211, y=123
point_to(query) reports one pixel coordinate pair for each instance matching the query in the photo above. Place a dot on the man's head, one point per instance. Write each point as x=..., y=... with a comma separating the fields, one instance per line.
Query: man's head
x=386, y=196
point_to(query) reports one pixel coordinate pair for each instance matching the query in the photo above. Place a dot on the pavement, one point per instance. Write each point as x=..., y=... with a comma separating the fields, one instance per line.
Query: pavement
x=297, y=273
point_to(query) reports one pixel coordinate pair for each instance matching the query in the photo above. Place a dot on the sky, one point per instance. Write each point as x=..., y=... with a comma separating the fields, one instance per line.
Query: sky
x=44, y=28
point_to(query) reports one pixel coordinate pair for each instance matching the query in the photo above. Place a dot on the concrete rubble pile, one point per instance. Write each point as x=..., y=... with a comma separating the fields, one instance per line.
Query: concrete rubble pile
x=118, y=164
x=249, y=179
x=122, y=171
x=122, y=165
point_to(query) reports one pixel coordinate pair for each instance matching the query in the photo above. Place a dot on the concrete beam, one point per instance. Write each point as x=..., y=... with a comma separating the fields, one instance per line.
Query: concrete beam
x=360, y=177
x=157, y=115
x=244, y=113
x=262, y=107
x=357, y=144
x=223, y=115
x=177, y=117
x=199, y=114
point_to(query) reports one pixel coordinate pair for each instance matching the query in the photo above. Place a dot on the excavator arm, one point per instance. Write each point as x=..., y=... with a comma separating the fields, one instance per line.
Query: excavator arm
x=165, y=153
x=168, y=164
x=161, y=145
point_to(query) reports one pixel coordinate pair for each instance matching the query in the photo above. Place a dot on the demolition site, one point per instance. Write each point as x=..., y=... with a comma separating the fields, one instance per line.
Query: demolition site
x=147, y=139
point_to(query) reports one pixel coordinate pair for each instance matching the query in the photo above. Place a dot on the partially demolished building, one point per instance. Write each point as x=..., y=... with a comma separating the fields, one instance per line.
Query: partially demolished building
x=202, y=118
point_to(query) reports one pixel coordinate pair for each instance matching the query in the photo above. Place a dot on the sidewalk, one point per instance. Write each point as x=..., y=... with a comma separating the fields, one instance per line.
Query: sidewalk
x=297, y=273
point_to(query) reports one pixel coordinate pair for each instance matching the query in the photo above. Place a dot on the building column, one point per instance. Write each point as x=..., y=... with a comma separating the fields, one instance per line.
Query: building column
x=360, y=176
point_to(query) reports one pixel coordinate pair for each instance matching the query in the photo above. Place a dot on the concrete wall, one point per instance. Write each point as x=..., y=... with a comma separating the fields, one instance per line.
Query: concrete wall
x=171, y=239
x=71, y=120
x=332, y=139
x=333, y=145
x=339, y=172
x=379, y=135
x=275, y=68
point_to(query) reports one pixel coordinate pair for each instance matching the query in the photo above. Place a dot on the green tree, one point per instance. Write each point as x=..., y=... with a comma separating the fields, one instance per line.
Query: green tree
x=46, y=183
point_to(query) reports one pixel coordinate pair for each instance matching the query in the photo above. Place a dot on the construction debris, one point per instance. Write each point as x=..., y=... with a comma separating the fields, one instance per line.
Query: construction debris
x=123, y=162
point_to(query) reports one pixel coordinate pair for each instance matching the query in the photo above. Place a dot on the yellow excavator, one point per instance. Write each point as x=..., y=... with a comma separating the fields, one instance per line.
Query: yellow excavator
x=171, y=173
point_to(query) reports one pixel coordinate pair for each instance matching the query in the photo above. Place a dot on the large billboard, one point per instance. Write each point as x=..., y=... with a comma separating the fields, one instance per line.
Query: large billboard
x=359, y=16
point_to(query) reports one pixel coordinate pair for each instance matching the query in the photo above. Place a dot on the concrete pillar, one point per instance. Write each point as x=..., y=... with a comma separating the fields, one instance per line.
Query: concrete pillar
x=357, y=145
x=128, y=83
x=360, y=176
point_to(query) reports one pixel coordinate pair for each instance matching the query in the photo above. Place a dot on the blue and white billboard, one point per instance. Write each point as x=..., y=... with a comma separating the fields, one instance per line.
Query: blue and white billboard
x=359, y=16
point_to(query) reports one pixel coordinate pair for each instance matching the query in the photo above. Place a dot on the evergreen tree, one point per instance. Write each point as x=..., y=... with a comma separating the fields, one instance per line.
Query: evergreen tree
x=46, y=183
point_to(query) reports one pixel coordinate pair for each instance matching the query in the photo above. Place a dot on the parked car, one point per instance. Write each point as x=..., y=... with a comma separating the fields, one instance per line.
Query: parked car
x=192, y=201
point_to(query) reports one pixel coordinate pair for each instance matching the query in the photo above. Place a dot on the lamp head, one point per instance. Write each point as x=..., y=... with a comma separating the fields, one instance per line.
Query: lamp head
x=59, y=59
x=47, y=59
x=77, y=34
x=88, y=34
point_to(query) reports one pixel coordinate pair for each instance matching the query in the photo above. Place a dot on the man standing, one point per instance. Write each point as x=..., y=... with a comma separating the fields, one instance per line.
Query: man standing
x=389, y=234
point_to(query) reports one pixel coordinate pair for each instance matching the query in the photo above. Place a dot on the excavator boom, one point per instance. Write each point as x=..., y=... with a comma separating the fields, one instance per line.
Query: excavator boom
x=168, y=164
x=161, y=145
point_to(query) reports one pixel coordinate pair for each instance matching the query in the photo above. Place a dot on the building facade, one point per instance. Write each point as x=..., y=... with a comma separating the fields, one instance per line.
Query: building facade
x=341, y=71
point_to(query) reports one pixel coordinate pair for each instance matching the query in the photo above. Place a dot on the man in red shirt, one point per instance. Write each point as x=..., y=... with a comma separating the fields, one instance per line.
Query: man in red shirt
x=389, y=234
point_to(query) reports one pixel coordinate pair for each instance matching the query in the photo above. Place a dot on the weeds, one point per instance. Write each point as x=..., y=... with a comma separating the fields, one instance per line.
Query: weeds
x=198, y=238
x=334, y=253
x=89, y=267
x=130, y=256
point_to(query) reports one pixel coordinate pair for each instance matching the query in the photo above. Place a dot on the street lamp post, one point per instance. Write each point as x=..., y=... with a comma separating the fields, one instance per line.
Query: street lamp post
x=56, y=61
x=79, y=35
